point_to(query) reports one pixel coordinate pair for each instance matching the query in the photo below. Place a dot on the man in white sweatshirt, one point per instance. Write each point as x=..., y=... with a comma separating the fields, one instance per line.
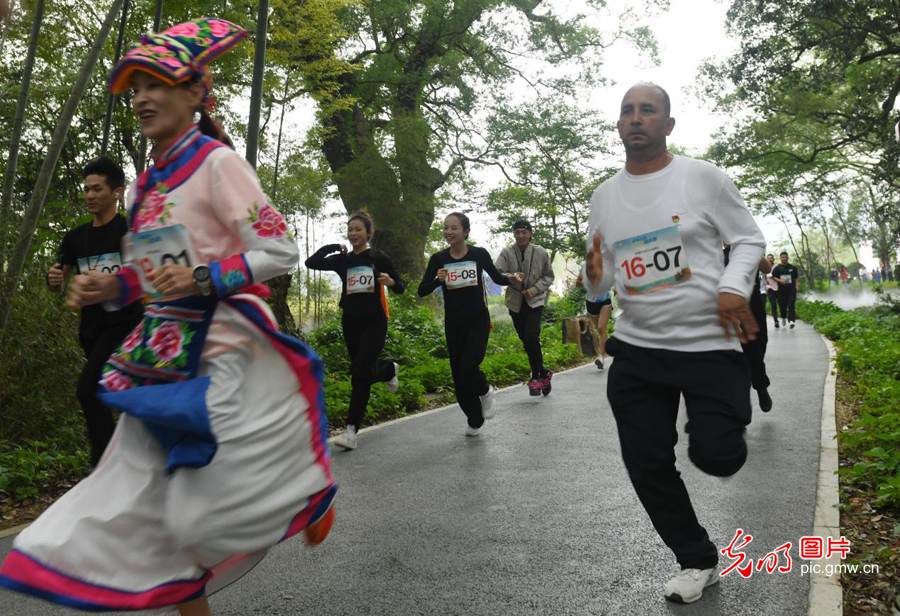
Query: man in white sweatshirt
x=657, y=229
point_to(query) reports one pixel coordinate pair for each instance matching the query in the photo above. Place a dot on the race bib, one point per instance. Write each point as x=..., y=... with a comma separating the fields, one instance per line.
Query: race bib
x=461, y=274
x=110, y=263
x=652, y=261
x=360, y=280
x=150, y=250
x=787, y=278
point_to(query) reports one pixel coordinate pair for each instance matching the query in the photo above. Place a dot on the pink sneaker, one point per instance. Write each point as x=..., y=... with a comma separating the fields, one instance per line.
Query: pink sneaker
x=534, y=387
x=545, y=383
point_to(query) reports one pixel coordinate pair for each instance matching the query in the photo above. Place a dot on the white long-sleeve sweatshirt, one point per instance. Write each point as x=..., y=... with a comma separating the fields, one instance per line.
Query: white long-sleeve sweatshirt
x=662, y=237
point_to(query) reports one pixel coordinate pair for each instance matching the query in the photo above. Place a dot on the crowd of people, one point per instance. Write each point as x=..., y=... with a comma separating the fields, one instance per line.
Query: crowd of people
x=877, y=275
x=221, y=450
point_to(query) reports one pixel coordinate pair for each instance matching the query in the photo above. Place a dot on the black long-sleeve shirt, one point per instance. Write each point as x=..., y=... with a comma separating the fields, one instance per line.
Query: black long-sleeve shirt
x=361, y=294
x=463, y=288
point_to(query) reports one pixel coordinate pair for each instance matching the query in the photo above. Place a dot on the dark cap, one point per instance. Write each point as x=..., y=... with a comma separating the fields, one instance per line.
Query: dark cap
x=522, y=224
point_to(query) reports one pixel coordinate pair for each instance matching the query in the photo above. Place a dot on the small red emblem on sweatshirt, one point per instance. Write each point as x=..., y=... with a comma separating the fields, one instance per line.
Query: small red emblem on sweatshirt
x=676, y=219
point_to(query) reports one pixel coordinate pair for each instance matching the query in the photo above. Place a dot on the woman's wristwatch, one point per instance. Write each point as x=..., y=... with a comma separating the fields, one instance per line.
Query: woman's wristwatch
x=203, y=279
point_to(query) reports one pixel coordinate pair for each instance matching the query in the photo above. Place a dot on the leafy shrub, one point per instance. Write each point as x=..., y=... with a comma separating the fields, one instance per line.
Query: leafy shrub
x=868, y=343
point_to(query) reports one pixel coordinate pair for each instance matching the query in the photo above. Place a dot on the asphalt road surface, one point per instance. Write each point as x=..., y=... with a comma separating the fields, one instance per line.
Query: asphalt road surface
x=536, y=516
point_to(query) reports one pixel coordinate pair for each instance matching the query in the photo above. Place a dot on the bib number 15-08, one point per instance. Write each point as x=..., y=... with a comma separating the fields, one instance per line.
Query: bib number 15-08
x=662, y=260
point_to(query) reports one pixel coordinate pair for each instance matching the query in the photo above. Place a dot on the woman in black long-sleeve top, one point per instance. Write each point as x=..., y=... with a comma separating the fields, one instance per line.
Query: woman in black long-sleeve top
x=467, y=323
x=364, y=274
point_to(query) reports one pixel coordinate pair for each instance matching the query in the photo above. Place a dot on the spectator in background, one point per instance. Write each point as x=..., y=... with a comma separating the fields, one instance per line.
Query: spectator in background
x=845, y=275
x=876, y=276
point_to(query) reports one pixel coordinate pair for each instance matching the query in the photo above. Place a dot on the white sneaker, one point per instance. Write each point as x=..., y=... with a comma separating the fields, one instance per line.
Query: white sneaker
x=784, y=321
x=347, y=439
x=470, y=431
x=487, y=403
x=394, y=383
x=688, y=585
x=792, y=325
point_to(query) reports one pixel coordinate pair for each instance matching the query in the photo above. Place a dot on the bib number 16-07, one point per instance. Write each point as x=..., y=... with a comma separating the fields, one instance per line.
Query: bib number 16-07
x=652, y=261
x=661, y=261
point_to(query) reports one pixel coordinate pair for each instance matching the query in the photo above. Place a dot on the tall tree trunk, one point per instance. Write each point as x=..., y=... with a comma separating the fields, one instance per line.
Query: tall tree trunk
x=805, y=254
x=840, y=215
x=824, y=224
x=111, y=98
x=278, y=146
x=259, y=69
x=142, y=142
x=9, y=14
x=280, y=285
x=57, y=141
x=12, y=162
x=308, y=288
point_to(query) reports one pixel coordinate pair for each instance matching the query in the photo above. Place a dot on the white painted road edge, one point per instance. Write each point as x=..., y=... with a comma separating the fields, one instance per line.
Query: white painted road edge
x=825, y=593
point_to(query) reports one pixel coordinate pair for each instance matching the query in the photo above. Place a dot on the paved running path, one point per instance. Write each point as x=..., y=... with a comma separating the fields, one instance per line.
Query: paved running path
x=536, y=516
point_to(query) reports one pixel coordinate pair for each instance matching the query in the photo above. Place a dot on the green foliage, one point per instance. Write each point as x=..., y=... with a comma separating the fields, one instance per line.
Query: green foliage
x=42, y=437
x=868, y=343
x=24, y=470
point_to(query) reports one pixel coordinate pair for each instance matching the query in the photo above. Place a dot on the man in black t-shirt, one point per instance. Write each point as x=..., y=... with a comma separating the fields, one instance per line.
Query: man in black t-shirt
x=96, y=245
x=786, y=275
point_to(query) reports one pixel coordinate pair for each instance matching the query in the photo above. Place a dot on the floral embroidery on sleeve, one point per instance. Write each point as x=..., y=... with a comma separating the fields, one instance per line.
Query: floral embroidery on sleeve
x=230, y=275
x=155, y=208
x=268, y=222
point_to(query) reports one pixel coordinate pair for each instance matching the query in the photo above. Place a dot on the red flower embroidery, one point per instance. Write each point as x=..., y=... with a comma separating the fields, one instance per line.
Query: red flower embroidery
x=153, y=209
x=133, y=339
x=166, y=341
x=219, y=28
x=269, y=223
x=187, y=30
x=116, y=381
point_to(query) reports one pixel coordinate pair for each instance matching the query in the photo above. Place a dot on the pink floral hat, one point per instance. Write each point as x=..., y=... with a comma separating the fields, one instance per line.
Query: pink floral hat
x=179, y=54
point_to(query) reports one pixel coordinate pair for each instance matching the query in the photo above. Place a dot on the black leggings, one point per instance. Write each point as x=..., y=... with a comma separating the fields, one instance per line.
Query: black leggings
x=773, y=302
x=528, y=325
x=644, y=388
x=467, y=338
x=365, y=339
x=755, y=350
x=99, y=418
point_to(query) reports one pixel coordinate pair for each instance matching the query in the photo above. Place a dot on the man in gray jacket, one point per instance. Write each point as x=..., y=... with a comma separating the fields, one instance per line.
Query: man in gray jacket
x=526, y=300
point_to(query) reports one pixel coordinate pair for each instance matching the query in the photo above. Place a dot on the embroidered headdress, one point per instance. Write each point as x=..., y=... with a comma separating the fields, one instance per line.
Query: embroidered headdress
x=179, y=54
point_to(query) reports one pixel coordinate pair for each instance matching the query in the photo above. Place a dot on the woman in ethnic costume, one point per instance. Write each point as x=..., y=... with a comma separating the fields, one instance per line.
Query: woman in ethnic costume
x=221, y=450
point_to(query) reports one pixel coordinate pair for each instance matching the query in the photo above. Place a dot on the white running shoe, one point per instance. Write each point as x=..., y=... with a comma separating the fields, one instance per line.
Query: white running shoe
x=470, y=431
x=487, y=403
x=687, y=586
x=792, y=325
x=347, y=439
x=783, y=321
x=394, y=383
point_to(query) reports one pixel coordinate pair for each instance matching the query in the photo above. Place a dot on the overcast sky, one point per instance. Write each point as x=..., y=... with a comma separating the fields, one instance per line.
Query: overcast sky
x=688, y=33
